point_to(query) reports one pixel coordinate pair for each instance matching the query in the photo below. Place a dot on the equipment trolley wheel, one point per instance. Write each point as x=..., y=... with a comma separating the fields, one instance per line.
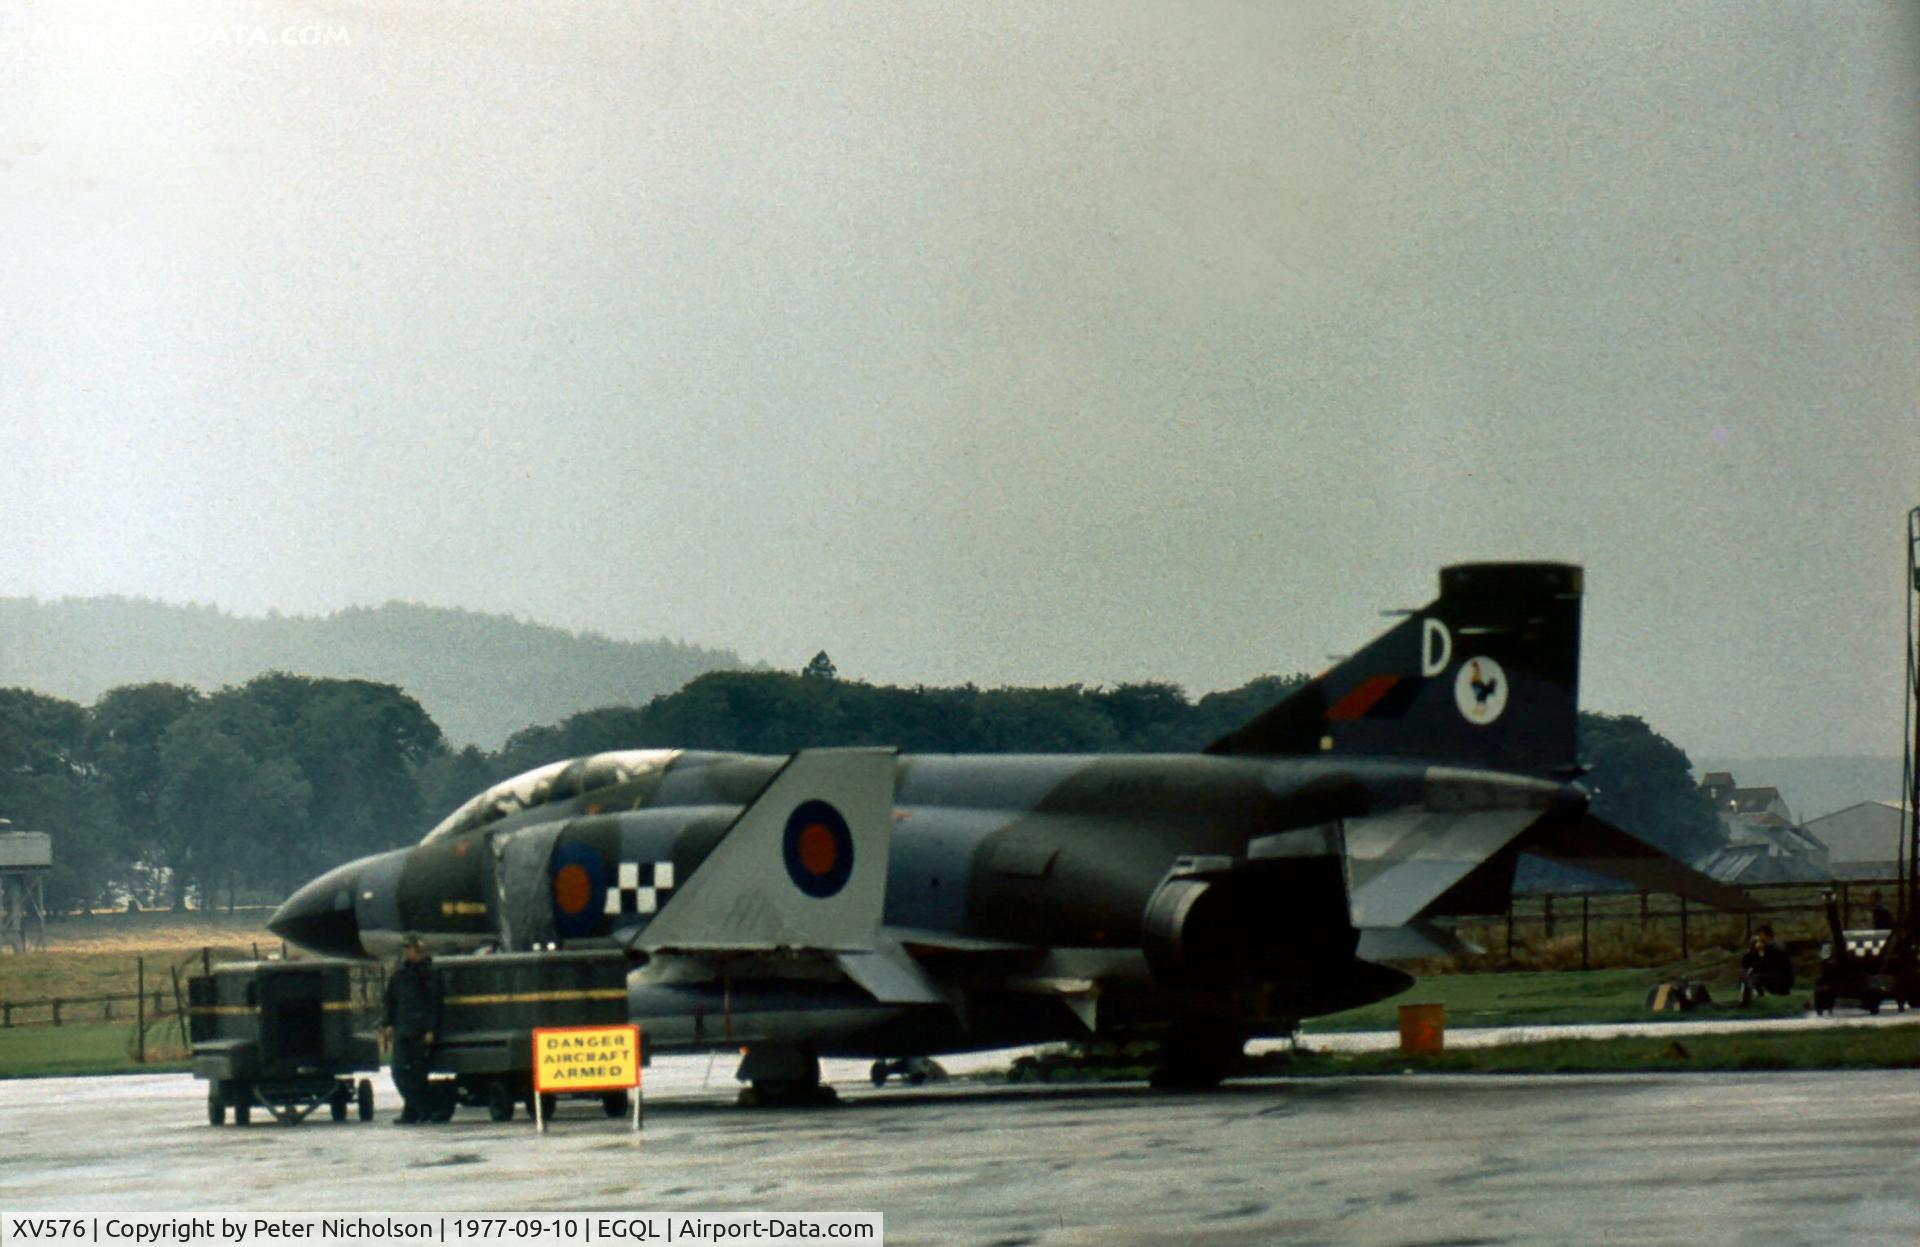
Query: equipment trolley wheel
x=240, y=1095
x=216, y=1104
x=616, y=1104
x=500, y=1102
x=365, y=1099
x=337, y=1101
x=548, y=1100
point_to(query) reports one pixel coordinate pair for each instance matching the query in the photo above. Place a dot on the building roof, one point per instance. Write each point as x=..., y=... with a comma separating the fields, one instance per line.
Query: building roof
x=1751, y=800
x=1862, y=837
x=1753, y=864
x=1750, y=829
x=1718, y=779
x=1896, y=806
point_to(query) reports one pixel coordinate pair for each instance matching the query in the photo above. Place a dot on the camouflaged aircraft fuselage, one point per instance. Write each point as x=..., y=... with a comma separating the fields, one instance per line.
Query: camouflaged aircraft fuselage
x=1017, y=899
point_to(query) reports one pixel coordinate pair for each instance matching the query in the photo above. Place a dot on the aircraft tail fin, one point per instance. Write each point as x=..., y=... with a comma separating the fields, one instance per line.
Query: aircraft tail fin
x=1485, y=675
x=803, y=867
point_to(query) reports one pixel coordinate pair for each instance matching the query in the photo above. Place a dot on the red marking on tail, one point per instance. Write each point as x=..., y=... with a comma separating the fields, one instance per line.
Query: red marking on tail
x=1362, y=698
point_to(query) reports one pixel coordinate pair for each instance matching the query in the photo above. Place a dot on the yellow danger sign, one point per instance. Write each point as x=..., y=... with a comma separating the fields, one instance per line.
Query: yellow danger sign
x=586, y=1058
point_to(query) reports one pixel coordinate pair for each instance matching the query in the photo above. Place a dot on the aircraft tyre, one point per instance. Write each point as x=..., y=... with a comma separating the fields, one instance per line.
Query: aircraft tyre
x=1196, y=1057
x=787, y=1093
x=784, y=1077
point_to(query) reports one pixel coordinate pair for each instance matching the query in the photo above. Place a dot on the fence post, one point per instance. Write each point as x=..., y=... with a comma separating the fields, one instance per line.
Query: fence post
x=1683, y=928
x=1547, y=900
x=1583, y=933
x=179, y=1005
x=140, y=1034
x=1509, y=927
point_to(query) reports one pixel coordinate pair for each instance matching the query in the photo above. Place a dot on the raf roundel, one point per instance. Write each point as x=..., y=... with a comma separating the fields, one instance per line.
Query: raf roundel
x=579, y=890
x=818, y=848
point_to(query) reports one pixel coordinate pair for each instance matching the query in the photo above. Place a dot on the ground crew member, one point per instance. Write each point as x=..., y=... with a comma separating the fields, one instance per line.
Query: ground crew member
x=411, y=1022
x=1767, y=968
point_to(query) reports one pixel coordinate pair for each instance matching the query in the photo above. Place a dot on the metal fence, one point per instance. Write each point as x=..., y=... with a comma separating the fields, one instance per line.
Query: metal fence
x=157, y=1009
x=1798, y=910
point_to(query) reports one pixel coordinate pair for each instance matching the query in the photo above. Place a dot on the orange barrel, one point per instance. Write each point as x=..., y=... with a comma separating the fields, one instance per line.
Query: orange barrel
x=1423, y=1028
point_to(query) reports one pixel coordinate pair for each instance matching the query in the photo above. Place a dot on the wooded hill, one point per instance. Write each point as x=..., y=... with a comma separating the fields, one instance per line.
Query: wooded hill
x=481, y=677
x=168, y=794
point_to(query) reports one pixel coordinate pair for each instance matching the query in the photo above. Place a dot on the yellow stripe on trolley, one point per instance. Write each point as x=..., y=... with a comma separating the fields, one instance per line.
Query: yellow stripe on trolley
x=228, y=1011
x=529, y=998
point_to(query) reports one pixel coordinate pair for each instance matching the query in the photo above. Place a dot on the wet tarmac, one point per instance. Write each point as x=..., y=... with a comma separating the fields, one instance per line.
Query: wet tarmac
x=1420, y=1160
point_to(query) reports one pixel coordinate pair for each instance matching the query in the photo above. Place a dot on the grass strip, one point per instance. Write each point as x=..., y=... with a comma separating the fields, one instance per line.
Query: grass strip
x=1875, y=1047
x=93, y=1048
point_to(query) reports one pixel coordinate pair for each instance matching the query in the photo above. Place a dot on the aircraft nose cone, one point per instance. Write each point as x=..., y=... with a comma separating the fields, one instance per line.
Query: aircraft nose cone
x=320, y=918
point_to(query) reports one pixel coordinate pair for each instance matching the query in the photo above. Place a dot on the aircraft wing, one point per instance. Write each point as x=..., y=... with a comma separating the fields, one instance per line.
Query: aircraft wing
x=804, y=867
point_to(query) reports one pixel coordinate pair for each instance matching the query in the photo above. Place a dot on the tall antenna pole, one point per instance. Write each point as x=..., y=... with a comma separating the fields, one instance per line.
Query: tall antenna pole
x=1910, y=733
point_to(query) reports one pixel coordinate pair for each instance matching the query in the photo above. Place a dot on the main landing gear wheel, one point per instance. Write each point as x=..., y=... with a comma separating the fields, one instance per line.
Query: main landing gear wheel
x=783, y=1077
x=788, y=1093
x=1196, y=1057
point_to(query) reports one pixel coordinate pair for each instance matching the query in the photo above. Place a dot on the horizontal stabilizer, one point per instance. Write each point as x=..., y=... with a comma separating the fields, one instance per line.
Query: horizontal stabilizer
x=1400, y=863
x=1414, y=941
x=1594, y=844
x=803, y=867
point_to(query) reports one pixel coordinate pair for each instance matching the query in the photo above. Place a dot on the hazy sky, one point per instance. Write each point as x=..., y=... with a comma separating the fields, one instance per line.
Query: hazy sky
x=1013, y=344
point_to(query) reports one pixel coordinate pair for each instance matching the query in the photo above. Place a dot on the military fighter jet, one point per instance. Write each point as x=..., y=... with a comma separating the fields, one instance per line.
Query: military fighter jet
x=857, y=902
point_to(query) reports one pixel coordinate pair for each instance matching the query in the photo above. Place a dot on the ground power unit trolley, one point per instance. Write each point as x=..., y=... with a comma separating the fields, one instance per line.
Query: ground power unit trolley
x=493, y=1003
x=279, y=1034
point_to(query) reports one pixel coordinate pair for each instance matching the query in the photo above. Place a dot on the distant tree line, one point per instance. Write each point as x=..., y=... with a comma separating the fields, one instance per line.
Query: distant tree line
x=166, y=795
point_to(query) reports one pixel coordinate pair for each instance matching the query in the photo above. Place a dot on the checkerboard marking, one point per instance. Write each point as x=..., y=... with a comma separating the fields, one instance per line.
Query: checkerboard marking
x=1866, y=943
x=642, y=887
